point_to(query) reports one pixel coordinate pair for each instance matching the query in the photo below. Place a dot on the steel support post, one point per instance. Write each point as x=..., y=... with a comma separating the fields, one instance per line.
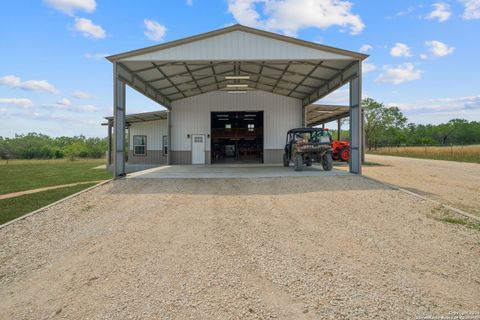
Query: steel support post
x=169, y=137
x=364, y=144
x=339, y=127
x=355, y=161
x=118, y=125
x=109, y=153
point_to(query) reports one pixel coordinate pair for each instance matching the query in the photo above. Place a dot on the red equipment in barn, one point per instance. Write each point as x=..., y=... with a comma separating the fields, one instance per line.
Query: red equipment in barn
x=340, y=150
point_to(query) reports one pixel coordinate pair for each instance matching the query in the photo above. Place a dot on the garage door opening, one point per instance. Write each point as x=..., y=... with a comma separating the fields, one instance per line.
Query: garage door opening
x=237, y=137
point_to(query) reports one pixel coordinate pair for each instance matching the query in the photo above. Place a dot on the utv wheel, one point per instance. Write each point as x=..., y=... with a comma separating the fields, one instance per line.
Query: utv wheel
x=327, y=162
x=308, y=164
x=286, y=162
x=298, y=163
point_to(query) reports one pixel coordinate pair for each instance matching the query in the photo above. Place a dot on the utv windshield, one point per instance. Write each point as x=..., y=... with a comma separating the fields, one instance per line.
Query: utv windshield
x=313, y=136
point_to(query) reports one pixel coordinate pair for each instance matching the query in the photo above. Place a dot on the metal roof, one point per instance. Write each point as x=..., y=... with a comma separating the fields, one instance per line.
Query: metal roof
x=318, y=114
x=236, y=58
x=142, y=117
x=236, y=27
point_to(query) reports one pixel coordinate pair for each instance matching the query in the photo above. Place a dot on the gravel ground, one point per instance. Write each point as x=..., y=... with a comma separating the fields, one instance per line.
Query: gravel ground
x=288, y=248
x=454, y=183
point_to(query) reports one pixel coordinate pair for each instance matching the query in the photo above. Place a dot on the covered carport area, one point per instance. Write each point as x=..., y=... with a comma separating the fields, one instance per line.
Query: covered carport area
x=320, y=114
x=238, y=59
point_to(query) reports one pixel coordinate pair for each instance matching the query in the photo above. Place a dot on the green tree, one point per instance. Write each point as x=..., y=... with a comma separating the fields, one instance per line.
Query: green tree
x=383, y=125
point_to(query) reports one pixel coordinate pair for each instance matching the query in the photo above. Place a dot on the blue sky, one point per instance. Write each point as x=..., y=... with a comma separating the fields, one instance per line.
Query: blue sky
x=54, y=78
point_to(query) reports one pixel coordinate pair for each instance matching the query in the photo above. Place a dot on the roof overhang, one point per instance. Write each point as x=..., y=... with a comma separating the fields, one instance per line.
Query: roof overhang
x=141, y=117
x=319, y=113
x=237, y=58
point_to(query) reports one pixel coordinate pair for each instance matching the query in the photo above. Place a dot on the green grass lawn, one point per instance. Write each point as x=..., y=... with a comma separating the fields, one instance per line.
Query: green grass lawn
x=15, y=207
x=20, y=175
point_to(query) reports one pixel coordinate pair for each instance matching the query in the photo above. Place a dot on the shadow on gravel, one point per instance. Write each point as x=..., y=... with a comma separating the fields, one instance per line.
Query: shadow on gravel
x=245, y=186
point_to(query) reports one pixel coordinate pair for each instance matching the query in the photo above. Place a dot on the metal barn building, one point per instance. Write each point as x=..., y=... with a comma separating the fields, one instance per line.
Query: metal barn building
x=229, y=93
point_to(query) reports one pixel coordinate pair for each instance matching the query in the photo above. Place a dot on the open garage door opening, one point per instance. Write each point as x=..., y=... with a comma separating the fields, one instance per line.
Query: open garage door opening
x=237, y=137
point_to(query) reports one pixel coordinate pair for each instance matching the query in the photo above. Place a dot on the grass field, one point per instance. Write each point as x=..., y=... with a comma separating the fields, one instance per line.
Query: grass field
x=19, y=175
x=15, y=207
x=22, y=175
x=451, y=153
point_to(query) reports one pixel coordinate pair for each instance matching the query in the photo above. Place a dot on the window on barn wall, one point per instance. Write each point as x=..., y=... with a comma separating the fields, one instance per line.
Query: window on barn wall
x=140, y=145
x=165, y=145
x=251, y=127
x=228, y=126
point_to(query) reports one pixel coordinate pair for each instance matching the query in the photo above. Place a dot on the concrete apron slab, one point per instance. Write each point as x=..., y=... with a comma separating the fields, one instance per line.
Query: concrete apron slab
x=130, y=168
x=231, y=171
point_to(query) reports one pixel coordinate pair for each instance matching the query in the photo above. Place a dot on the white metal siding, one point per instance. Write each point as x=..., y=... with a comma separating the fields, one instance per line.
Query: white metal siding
x=154, y=130
x=192, y=115
x=238, y=45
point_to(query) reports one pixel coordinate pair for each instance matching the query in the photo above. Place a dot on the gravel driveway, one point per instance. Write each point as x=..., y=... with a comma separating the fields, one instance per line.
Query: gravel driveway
x=454, y=183
x=289, y=248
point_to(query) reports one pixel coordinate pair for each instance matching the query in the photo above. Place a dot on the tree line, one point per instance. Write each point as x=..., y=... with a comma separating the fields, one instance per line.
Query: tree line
x=40, y=146
x=384, y=126
x=387, y=126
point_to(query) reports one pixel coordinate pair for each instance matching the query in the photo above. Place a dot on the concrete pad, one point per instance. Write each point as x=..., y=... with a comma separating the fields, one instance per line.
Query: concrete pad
x=231, y=171
x=130, y=168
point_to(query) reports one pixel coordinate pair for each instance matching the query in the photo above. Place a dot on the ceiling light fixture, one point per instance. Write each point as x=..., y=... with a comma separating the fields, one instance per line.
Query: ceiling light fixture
x=237, y=77
x=237, y=91
x=237, y=85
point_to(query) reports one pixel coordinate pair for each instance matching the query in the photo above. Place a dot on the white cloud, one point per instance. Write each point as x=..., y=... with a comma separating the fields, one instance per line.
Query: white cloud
x=365, y=48
x=441, y=12
x=88, y=29
x=10, y=81
x=29, y=85
x=439, y=49
x=423, y=56
x=289, y=16
x=82, y=95
x=441, y=105
x=38, y=85
x=368, y=67
x=190, y=3
x=400, y=50
x=399, y=74
x=20, y=102
x=472, y=9
x=96, y=56
x=88, y=108
x=70, y=6
x=64, y=102
x=155, y=31
x=66, y=105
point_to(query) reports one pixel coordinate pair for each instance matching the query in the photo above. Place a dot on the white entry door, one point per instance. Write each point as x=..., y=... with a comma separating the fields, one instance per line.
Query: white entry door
x=198, y=149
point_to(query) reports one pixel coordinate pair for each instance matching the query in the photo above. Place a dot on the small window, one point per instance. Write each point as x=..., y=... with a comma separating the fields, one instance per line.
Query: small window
x=140, y=145
x=228, y=126
x=198, y=139
x=165, y=145
x=251, y=127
